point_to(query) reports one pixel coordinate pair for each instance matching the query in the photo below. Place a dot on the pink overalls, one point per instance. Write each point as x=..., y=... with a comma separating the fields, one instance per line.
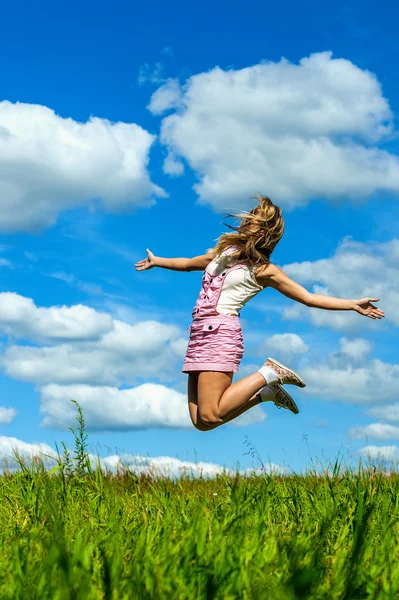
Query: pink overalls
x=216, y=342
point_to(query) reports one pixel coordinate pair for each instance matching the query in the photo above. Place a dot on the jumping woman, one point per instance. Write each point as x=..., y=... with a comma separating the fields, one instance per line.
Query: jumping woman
x=236, y=270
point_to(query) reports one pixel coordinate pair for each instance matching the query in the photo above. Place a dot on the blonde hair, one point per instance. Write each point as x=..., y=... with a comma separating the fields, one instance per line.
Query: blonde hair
x=257, y=235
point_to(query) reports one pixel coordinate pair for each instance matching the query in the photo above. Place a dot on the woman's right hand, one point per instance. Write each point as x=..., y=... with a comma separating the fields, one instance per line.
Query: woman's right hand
x=147, y=263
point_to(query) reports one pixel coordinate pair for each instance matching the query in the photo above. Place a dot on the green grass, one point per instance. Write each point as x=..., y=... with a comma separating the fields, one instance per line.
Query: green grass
x=76, y=532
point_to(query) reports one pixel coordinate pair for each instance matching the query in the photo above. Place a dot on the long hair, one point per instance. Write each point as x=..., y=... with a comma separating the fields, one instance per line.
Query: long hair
x=257, y=235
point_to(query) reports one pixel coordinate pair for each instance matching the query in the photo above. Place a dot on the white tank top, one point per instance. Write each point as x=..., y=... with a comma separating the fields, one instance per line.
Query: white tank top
x=239, y=286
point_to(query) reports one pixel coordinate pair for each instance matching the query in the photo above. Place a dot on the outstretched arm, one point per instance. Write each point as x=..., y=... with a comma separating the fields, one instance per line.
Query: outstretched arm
x=272, y=276
x=198, y=263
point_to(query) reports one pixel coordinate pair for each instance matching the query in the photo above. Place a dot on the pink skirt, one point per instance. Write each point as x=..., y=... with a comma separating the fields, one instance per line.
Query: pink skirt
x=215, y=344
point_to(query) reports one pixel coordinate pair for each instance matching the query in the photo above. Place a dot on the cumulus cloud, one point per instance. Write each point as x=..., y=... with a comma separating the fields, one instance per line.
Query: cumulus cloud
x=84, y=345
x=378, y=431
x=127, y=352
x=109, y=409
x=356, y=270
x=7, y=415
x=374, y=382
x=102, y=354
x=250, y=417
x=286, y=347
x=160, y=466
x=356, y=349
x=167, y=97
x=172, y=166
x=293, y=131
x=21, y=318
x=380, y=452
x=344, y=378
x=49, y=164
x=352, y=351
x=11, y=447
x=166, y=466
x=388, y=413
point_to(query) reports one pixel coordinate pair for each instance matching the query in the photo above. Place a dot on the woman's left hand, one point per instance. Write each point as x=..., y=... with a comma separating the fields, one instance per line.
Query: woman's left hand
x=147, y=263
x=367, y=309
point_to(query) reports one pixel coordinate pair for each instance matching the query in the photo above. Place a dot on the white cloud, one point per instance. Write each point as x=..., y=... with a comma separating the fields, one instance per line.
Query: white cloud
x=378, y=431
x=250, y=417
x=111, y=409
x=374, y=382
x=352, y=352
x=179, y=346
x=356, y=349
x=166, y=466
x=7, y=415
x=160, y=466
x=167, y=97
x=10, y=446
x=356, y=270
x=246, y=370
x=21, y=318
x=388, y=413
x=285, y=346
x=380, y=452
x=49, y=164
x=101, y=351
x=127, y=352
x=94, y=348
x=173, y=166
x=292, y=131
x=341, y=376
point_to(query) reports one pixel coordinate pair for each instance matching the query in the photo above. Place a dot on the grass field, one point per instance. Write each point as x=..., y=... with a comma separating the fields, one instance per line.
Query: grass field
x=76, y=532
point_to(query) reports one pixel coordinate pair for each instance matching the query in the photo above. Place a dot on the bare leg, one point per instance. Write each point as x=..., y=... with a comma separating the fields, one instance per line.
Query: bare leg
x=220, y=401
x=193, y=404
x=254, y=401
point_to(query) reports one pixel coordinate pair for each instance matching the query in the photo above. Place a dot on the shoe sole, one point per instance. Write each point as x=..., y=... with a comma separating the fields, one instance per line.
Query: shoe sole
x=296, y=409
x=294, y=412
x=303, y=384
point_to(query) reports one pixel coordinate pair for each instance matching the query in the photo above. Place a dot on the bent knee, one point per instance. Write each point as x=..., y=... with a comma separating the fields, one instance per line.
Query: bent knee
x=207, y=422
x=209, y=418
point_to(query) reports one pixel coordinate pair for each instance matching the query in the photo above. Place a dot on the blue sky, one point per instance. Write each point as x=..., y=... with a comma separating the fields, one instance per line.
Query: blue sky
x=212, y=115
